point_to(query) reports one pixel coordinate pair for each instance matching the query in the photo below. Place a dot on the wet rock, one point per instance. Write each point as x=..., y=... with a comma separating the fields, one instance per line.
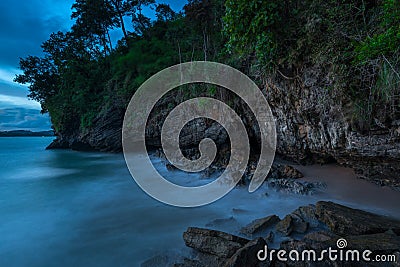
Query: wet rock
x=159, y=260
x=307, y=214
x=285, y=226
x=298, y=245
x=291, y=172
x=210, y=260
x=279, y=171
x=189, y=263
x=320, y=240
x=384, y=242
x=300, y=226
x=319, y=236
x=213, y=242
x=247, y=255
x=260, y=225
x=291, y=224
x=293, y=186
x=345, y=221
x=270, y=237
x=239, y=211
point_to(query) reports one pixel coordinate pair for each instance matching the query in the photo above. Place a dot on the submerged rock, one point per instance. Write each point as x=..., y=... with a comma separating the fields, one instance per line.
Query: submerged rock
x=230, y=222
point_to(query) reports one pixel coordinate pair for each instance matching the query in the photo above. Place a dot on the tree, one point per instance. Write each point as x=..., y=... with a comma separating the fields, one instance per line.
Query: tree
x=42, y=77
x=140, y=22
x=164, y=12
x=121, y=8
x=94, y=18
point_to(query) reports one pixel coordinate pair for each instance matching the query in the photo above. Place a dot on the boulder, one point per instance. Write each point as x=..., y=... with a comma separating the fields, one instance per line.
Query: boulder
x=260, y=225
x=247, y=255
x=383, y=242
x=346, y=221
x=291, y=224
x=307, y=214
x=285, y=226
x=220, y=244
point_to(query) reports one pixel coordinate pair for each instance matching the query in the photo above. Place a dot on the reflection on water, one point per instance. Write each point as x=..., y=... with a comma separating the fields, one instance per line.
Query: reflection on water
x=68, y=208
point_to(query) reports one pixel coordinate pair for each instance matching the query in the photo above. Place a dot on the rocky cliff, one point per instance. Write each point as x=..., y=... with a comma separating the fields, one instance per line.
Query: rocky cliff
x=313, y=126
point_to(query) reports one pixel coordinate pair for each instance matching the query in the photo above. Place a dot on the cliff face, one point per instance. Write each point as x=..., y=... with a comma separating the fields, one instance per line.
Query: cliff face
x=103, y=135
x=313, y=126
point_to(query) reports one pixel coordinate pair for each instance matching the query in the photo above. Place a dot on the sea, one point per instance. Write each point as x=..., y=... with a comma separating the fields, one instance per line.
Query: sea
x=68, y=208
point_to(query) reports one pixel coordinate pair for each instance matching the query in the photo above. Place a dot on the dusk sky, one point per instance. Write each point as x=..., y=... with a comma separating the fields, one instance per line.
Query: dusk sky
x=24, y=26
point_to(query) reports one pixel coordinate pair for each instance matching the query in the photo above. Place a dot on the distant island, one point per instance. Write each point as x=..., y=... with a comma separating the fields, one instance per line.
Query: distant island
x=22, y=133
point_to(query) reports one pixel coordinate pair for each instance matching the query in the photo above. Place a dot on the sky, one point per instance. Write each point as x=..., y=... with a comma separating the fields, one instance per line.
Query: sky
x=24, y=26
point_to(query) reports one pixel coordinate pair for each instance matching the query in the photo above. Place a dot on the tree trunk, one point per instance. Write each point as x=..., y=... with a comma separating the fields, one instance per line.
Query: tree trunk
x=121, y=17
x=109, y=40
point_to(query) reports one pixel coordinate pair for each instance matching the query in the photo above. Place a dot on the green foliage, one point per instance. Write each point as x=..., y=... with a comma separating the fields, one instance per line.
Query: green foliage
x=355, y=41
x=145, y=58
x=251, y=27
x=386, y=39
x=81, y=73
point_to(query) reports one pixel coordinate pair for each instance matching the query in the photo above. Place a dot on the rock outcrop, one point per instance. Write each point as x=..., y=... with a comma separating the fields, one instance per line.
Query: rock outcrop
x=314, y=227
x=345, y=221
x=313, y=126
x=105, y=133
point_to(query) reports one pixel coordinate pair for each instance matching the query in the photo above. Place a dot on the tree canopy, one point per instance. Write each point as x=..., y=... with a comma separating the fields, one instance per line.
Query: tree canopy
x=81, y=71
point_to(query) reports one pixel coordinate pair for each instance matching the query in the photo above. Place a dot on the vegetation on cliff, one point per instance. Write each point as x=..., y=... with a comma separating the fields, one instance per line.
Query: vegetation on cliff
x=82, y=72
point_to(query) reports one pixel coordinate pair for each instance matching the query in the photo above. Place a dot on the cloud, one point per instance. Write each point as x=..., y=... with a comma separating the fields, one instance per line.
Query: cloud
x=23, y=119
x=16, y=101
x=24, y=25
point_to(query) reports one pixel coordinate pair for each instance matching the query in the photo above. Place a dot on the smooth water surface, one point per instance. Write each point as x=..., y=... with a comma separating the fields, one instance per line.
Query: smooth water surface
x=67, y=208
